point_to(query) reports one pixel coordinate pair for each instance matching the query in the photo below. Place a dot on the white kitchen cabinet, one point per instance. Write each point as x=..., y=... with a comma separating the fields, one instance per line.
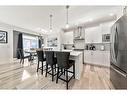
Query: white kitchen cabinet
x=93, y=35
x=68, y=37
x=106, y=28
x=87, y=57
x=79, y=33
x=88, y=36
x=106, y=55
x=97, y=57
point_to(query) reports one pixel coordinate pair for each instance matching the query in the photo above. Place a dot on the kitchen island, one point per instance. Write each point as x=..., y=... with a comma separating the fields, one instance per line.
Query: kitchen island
x=77, y=56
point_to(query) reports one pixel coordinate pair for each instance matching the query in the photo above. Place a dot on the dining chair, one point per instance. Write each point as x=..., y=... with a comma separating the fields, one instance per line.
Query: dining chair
x=40, y=55
x=51, y=62
x=64, y=64
x=22, y=56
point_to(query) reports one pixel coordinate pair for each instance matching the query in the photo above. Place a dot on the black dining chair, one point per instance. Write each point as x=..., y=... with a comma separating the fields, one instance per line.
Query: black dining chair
x=40, y=55
x=64, y=64
x=50, y=62
x=22, y=56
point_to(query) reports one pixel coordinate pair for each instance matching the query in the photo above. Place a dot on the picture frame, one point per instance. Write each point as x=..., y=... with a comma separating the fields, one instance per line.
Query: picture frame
x=3, y=37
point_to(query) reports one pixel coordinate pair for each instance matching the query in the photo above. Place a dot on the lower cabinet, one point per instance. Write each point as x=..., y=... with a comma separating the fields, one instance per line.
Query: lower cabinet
x=97, y=57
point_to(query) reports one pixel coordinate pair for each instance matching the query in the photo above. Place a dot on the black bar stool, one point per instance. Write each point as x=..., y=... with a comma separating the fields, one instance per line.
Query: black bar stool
x=64, y=64
x=50, y=61
x=40, y=55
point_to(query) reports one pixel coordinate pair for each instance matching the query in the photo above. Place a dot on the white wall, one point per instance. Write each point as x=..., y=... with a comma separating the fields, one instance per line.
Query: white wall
x=6, y=50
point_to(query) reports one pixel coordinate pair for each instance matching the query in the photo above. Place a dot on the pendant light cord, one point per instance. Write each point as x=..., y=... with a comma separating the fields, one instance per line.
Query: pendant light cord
x=51, y=22
x=67, y=7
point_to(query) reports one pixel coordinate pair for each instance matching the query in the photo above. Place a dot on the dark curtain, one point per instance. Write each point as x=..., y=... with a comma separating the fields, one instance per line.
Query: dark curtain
x=39, y=43
x=19, y=45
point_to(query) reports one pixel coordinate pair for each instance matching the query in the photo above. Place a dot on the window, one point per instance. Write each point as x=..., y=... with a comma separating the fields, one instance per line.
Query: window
x=30, y=42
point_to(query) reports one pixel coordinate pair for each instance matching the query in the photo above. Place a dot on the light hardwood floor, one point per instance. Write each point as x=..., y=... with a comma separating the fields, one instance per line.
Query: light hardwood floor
x=15, y=76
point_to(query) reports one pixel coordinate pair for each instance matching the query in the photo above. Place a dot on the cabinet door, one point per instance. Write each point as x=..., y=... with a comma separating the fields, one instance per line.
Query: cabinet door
x=93, y=35
x=87, y=57
x=96, y=35
x=106, y=58
x=88, y=35
x=97, y=57
x=106, y=28
x=68, y=37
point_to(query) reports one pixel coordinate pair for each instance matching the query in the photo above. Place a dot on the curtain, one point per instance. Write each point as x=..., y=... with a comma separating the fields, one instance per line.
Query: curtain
x=20, y=44
x=39, y=41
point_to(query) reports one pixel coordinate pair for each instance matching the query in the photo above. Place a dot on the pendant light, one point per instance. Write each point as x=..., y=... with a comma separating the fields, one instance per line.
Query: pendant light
x=67, y=24
x=50, y=23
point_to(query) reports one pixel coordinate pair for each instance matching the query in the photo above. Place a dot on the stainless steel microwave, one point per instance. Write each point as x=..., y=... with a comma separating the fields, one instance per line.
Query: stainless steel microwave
x=106, y=38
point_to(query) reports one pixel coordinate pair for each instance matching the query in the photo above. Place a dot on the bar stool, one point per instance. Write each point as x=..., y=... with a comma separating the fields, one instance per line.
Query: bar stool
x=40, y=55
x=64, y=64
x=50, y=61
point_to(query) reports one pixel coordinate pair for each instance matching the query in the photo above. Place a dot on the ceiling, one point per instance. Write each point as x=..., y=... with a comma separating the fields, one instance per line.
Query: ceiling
x=37, y=17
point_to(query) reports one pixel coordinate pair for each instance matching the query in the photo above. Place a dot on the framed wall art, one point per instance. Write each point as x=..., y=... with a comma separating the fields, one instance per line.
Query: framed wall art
x=3, y=36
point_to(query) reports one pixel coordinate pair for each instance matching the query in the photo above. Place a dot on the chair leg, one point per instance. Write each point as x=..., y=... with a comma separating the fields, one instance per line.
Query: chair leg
x=57, y=75
x=67, y=78
x=20, y=61
x=52, y=73
x=42, y=68
x=23, y=61
x=55, y=67
x=46, y=70
x=74, y=71
x=64, y=71
x=37, y=66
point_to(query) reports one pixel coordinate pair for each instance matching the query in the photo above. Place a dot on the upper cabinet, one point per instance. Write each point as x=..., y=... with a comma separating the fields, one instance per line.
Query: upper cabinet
x=93, y=35
x=79, y=33
x=68, y=37
x=106, y=28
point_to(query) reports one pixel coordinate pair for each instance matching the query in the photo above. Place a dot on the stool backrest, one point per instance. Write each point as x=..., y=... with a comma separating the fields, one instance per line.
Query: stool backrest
x=62, y=59
x=40, y=55
x=49, y=57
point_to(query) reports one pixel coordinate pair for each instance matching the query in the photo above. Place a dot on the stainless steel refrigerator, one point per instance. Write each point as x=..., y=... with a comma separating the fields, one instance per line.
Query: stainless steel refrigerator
x=118, y=57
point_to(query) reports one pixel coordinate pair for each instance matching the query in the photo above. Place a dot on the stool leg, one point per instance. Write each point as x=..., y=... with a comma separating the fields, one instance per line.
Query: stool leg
x=64, y=71
x=37, y=66
x=55, y=67
x=52, y=73
x=74, y=70
x=57, y=75
x=20, y=61
x=67, y=78
x=42, y=68
x=23, y=61
x=46, y=70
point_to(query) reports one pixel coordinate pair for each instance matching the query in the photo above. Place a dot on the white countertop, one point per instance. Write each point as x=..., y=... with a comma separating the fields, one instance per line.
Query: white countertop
x=75, y=53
